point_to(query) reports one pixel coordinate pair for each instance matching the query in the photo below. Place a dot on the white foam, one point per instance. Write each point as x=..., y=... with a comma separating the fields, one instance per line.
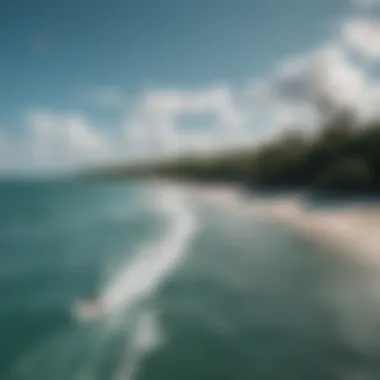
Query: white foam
x=147, y=337
x=151, y=264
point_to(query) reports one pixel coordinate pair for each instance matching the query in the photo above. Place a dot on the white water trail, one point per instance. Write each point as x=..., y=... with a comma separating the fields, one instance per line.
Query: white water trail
x=141, y=277
x=135, y=280
x=146, y=270
x=147, y=337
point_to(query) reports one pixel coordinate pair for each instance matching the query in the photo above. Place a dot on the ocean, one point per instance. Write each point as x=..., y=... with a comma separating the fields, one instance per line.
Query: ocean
x=188, y=290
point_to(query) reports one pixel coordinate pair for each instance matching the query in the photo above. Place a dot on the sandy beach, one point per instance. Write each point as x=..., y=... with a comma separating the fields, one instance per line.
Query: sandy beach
x=353, y=229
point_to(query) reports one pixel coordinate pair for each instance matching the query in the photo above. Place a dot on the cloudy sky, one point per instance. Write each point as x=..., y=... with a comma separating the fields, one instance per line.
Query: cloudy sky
x=90, y=81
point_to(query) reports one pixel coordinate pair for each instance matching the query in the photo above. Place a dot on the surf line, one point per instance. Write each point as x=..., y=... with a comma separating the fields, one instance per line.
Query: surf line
x=141, y=276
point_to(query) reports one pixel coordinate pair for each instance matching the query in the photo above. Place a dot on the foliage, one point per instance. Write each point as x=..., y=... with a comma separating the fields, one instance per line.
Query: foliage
x=343, y=156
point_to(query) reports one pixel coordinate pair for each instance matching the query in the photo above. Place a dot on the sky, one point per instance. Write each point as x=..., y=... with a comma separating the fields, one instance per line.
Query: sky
x=87, y=82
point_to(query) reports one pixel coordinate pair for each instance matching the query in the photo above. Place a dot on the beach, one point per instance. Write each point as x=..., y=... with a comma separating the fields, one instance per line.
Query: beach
x=353, y=228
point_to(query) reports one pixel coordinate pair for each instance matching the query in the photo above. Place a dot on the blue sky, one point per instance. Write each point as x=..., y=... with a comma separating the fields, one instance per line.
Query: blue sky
x=87, y=80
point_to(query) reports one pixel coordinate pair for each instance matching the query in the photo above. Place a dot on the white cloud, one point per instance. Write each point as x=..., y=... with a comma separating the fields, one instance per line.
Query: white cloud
x=322, y=76
x=153, y=127
x=59, y=140
x=370, y=109
x=363, y=35
x=315, y=83
x=293, y=116
x=156, y=125
x=54, y=140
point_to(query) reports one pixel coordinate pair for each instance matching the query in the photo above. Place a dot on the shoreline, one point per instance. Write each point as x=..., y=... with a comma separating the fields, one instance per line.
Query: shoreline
x=352, y=228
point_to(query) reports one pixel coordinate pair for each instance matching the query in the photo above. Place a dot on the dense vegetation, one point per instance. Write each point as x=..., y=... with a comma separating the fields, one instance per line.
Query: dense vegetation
x=342, y=156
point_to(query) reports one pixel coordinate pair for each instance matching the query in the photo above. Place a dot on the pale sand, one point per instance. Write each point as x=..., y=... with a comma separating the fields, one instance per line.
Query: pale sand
x=351, y=229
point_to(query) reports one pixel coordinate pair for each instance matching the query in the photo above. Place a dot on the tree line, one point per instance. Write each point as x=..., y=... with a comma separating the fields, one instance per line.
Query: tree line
x=343, y=156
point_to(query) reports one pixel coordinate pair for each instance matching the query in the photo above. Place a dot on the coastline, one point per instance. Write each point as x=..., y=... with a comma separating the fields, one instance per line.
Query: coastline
x=353, y=229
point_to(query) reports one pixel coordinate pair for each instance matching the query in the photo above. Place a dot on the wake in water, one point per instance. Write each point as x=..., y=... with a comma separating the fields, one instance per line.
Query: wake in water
x=126, y=328
x=144, y=272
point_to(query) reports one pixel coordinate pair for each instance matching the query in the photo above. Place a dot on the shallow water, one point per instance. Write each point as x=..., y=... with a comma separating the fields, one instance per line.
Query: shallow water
x=189, y=290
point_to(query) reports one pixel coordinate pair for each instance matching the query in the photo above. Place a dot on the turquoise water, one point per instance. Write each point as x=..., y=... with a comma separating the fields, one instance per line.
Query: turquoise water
x=189, y=291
